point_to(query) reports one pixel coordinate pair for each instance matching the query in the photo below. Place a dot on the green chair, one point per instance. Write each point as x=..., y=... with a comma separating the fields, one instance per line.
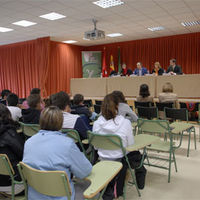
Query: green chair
x=159, y=127
x=56, y=183
x=181, y=125
x=7, y=169
x=75, y=136
x=29, y=129
x=112, y=142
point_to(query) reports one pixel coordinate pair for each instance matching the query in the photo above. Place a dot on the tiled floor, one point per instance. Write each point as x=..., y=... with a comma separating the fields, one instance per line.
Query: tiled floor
x=185, y=184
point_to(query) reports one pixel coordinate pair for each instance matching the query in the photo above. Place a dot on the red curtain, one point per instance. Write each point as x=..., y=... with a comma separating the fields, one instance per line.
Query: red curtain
x=65, y=63
x=185, y=48
x=22, y=65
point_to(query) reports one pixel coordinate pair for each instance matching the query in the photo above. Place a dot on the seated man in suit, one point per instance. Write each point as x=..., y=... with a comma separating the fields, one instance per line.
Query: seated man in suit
x=174, y=69
x=140, y=70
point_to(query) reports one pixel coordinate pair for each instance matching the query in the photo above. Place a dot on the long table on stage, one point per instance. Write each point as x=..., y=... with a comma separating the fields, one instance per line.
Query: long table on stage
x=185, y=86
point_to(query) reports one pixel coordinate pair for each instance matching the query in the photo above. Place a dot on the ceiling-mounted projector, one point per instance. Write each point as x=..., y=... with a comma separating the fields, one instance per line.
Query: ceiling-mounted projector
x=94, y=34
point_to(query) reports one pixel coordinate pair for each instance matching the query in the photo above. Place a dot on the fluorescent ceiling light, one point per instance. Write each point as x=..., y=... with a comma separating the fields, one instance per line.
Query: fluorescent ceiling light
x=24, y=23
x=70, y=41
x=114, y=35
x=52, y=16
x=159, y=28
x=3, y=30
x=190, y=23
x=108, y=3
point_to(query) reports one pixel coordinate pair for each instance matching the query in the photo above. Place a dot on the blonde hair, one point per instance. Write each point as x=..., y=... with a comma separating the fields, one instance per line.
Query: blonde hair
x=158, y=64
x=167, y=87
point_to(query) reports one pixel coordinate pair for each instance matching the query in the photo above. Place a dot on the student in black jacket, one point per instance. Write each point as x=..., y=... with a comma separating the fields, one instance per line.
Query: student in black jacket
x=32, y=114
x=174, y=69
x=12, y=145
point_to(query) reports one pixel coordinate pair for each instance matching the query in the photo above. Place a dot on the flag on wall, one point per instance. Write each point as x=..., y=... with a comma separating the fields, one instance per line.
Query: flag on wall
x=119, y=61
x=104, y=70
x=112, y=68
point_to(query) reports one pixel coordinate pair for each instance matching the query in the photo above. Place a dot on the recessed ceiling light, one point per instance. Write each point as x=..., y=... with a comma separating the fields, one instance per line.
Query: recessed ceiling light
x=24, y=23
x=108, y=3
x=52, y=16
x=70, y=41
x=158, y=28
x=3, y=30
x=190, y=23
x=114, y=35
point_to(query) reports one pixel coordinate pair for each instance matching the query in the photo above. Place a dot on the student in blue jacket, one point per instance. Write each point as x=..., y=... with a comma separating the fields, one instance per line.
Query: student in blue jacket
x=52, y=150
x=140, y=70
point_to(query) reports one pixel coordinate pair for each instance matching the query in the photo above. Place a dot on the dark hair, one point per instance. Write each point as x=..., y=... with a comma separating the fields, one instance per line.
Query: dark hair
x=129, y=72
x=78, y=98
x=35, y=91
x=60, y=99
x=113, y=73
x=51, y=119
x=12, y=99
x=173, y=60
x=109, y=107
x=144, y=90
x=119, y=96
x=5, y=93
x=33, y=100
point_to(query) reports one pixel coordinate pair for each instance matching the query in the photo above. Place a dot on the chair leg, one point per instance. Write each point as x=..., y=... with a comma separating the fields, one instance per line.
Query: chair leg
x=13, y=191
x=170, y=160
x=195, y=142
x=135, y=182
x=174, y=158
x=124, y=191
x=189, y=137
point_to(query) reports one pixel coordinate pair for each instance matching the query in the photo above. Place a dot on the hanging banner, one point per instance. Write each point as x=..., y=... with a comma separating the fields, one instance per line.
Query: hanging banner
x=91, y=63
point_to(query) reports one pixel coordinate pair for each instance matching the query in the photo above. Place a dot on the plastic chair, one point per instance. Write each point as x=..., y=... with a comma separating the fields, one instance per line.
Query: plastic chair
x=143, y=104
x=97, y=102
x=97, y=108
x=180, y=118
x=112, y=142
x=29, y=129
x=161, y=106
x=7, y=169
x=88, y=103
x=159, y=127
x=147, y=112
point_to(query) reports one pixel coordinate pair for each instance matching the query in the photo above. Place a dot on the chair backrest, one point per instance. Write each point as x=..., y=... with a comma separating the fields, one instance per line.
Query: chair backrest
x=153, y=126
x=51, y=183
x=107, y=142
x=176, y=114
x=88, y=103
x=162, y=106
x=30, y=129
x=98, y=102
x=2, y=101
x=191, y=107
x=72, y=134
x=71, y=102
x=147, y=112
x=97, y=108
x=5, y=166
x=143, y=104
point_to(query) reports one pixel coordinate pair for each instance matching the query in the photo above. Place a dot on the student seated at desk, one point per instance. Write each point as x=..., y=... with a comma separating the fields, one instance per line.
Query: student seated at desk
x=123, y=108
x=32, y=114
x=71, y=121
x=51, y=150
x=12, y=145
x=111, y=123
x=144, y=95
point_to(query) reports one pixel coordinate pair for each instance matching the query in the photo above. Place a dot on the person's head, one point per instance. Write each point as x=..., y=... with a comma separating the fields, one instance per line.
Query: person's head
x=172, y=62
x=51, y=119
x=123, y=66
x=12, y=99
x=119, y=96
x=129, y=72
x=35, y=91
x=61, y=100
x=34, y=101
x=167, y=87
x=5, y=93
x=157, y=65
x=78, y=99
x=144, y=90
x=109, y=107
x=5, y=115
x=139, y=65
x=113, y=73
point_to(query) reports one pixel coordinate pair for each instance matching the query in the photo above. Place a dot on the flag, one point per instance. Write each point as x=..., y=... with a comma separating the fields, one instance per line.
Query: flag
x=104, y=70
x=119, y=61
x=112, y=68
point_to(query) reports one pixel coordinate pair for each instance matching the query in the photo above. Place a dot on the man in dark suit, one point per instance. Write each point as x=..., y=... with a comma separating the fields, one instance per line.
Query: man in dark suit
x=173, y=68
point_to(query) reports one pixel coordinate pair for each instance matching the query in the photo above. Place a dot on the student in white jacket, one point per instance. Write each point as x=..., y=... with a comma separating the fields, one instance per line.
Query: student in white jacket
x=112, y=123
